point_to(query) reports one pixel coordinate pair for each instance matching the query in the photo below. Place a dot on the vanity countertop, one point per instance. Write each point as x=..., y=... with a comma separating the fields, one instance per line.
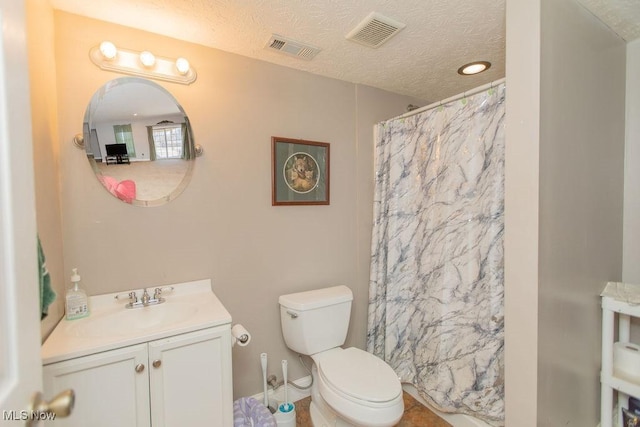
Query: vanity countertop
x=188, y=307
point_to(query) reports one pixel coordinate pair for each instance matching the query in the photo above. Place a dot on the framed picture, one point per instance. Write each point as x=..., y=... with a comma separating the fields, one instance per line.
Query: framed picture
x=300, y=172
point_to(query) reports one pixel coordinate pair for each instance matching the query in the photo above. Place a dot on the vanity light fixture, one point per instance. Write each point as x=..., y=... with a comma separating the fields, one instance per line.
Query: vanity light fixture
x=143, y=64
x=474, y=68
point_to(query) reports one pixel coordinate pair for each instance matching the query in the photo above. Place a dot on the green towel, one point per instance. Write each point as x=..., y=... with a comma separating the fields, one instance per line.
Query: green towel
x=47, y=296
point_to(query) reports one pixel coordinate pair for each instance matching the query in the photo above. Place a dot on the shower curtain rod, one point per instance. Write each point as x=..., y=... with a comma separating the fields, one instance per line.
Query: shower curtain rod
x=451, y=99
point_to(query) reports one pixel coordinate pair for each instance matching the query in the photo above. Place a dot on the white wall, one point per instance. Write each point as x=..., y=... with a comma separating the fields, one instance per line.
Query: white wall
x=575, y=242
x=223, y=226
x=521, y=211
x=581, y=203
x=46, y=158
x=631, y=266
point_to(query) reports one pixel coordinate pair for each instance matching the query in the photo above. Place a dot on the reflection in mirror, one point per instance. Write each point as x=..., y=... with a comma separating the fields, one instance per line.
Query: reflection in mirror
x=139, y=141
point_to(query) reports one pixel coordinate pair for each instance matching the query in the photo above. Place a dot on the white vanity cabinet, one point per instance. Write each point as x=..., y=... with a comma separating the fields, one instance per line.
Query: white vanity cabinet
x=162, y=365
x=182, y=380
x=190, y=379
x=109, y=391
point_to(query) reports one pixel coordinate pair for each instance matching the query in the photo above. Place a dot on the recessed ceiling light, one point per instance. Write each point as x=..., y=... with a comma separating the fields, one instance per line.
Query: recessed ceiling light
x=474, y=68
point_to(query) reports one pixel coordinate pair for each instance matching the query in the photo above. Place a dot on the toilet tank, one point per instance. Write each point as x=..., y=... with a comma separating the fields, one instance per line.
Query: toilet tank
x=315, y=321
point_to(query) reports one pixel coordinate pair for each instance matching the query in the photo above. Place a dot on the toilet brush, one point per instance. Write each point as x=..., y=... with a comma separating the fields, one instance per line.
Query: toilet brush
x=286, y=406
x=263, y=362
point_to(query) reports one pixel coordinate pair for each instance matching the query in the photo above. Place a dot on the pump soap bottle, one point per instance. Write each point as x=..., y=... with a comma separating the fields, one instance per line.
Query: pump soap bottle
x=77, y=304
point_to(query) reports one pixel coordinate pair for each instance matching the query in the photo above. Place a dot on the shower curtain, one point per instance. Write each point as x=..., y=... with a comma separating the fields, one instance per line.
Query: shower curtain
x=436, y=286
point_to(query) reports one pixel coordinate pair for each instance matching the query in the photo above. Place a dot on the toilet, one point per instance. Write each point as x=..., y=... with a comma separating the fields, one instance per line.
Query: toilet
x=350, y=386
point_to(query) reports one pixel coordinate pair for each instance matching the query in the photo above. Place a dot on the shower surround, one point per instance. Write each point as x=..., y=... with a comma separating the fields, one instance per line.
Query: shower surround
x=437, y=283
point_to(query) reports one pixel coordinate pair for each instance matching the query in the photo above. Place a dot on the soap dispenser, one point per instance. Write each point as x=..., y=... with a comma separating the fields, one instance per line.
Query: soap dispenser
x=77, y=303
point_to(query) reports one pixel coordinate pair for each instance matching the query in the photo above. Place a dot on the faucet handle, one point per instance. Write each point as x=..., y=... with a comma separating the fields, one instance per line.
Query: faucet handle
x=158, y=291
x=164, y=289
x=131, y=296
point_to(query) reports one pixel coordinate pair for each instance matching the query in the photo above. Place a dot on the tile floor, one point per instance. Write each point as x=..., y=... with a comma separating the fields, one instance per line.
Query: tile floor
x=415, y=414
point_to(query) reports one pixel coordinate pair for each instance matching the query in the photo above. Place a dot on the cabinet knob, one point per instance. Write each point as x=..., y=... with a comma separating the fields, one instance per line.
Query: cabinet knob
x=157, y=363
x=139, y=367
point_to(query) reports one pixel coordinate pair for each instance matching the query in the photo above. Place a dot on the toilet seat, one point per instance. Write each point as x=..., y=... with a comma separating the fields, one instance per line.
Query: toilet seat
x=358, y=386
x=359, y=376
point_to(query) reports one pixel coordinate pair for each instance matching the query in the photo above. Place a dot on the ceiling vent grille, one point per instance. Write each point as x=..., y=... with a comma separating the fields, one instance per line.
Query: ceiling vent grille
x=375, y=30
x=292, y=47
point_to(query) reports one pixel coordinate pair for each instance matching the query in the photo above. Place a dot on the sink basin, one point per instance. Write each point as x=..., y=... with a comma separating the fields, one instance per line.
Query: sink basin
x=125, y=321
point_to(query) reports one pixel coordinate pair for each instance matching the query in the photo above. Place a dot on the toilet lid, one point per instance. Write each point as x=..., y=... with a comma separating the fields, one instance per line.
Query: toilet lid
x=361, y=375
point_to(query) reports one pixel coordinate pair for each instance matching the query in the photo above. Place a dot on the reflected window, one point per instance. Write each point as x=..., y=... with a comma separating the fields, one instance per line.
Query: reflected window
x=124, y=135
x=168, y=141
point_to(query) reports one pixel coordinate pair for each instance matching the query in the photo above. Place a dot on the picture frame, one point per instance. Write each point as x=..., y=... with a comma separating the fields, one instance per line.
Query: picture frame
x=300, y=172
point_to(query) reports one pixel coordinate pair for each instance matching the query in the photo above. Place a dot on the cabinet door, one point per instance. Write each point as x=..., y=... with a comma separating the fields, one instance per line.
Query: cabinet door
x=190, y=379
x=109, y=391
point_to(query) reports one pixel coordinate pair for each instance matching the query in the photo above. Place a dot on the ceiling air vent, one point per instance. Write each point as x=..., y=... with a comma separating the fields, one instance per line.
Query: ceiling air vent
x=292, y=47
x=375, y=30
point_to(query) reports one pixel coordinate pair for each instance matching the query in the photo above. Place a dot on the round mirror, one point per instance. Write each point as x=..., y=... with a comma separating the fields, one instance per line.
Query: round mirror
x=139, y=141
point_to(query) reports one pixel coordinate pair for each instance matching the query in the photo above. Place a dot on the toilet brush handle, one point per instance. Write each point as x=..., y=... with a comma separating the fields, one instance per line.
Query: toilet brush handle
x=263, y=362
x=284, y=374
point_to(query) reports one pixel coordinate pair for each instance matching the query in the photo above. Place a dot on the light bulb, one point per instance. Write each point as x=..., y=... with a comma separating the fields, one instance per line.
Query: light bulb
x=182, y=65
x=108, y=50
x=474, y=69
x=147, y=58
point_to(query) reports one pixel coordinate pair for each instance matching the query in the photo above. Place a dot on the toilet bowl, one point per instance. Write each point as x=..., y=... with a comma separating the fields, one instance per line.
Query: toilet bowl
x=350, y=386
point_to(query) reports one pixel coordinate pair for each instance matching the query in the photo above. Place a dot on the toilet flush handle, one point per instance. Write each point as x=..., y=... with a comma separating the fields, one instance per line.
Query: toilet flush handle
x=293, y=314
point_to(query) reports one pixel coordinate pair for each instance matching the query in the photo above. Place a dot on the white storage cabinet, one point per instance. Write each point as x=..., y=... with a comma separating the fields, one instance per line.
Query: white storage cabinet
x=611, y=381
x=182, y=380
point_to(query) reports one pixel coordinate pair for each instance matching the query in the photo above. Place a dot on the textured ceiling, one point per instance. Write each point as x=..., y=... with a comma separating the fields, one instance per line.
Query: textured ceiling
x=421, y=60
x=623, y=16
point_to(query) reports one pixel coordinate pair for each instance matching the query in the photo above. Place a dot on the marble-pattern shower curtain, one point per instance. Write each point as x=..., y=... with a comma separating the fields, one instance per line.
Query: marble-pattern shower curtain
x=436, y=289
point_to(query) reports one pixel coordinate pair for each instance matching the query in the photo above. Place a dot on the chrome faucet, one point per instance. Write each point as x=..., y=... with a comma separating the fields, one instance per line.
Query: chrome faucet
x=146, y=297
